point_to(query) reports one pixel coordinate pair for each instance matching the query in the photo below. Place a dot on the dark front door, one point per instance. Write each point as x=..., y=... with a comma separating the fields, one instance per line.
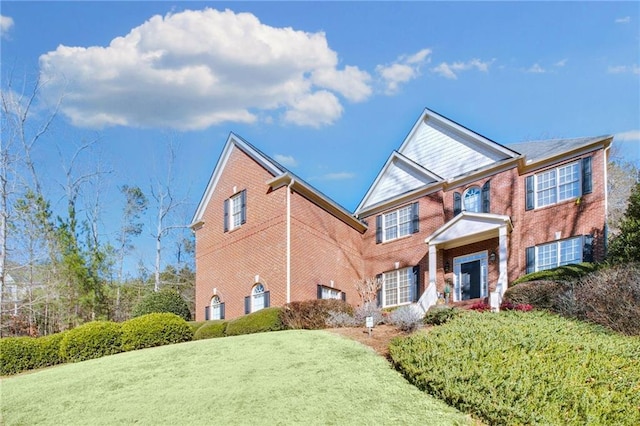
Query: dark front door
x=470, y=280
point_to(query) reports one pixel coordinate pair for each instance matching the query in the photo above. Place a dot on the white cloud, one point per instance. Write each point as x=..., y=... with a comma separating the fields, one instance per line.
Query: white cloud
x=631, y=135
x=285, y=160
x=624, y=20
x=6, y=23
x=403, y=70
x=451, y=70
x=338, y=176
x=561, y=63
x=536, y=69
x=623, y=69
x=195, y=69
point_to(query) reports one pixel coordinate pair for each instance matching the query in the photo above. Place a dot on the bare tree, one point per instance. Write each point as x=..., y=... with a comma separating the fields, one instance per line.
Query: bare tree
x=367, y=289
x=621, y=178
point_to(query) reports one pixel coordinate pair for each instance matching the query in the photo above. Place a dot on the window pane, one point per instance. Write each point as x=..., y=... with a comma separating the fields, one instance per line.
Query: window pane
x=547, y=256
x=569, y=179
x=546, y=188
x=571, y=251
x=329, y=293
x=390, y=288
x=405, y=221
x=236, y=211
x=472, y=200
x=391, y=226
x=404, y=286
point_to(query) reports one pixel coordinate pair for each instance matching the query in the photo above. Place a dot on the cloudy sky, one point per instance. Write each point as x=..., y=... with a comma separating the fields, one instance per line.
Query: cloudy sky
x=327, y=89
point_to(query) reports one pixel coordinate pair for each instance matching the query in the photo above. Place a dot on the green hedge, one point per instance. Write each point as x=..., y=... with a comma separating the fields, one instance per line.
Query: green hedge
x=154, y=330
x=163, y=301
x=210, y=330
x=17, y=354
x=195, y=325
x=526, y=368
x=91, y=340
x=561, y=273
x=257, y=322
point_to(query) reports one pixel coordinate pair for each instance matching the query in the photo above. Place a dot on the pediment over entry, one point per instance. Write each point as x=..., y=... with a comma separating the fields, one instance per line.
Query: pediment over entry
x=467, y=228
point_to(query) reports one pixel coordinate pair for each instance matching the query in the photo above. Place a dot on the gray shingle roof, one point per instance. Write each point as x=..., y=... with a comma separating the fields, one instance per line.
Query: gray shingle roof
x=538, y=150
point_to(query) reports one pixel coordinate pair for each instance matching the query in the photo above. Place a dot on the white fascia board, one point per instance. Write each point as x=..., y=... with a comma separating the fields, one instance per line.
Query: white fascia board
x=486, y=221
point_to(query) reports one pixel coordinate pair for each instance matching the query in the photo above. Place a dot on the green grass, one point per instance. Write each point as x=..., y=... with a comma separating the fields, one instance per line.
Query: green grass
x=527, y=368
x=287, y=377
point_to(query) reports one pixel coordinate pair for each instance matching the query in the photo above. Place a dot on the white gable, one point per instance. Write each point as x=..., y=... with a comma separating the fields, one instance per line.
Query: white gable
x=448, y=149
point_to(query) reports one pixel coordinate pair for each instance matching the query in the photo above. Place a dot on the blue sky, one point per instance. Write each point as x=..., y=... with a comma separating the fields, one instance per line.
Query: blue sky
x=328, y=89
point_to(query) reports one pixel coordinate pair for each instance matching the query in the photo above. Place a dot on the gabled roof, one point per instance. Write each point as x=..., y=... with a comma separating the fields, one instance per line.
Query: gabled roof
x=467, y=228
x=540, y=151
x=281, y=176
x=442, y=150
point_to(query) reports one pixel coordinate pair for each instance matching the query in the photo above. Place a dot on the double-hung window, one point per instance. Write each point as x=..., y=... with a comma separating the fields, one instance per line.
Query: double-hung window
x=558, y=184
x=559, y=253
x=398, y=287
x=235, y=211
x=397, y=223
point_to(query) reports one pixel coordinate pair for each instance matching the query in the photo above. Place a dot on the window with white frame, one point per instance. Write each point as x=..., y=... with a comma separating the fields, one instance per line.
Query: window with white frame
x=558, y=253
x=257, y=298
x=329, y=293
x=397, y=223
x=235, y=211
x=398, y=287
x=471, y=200
x=216, y=308
x=559, y=184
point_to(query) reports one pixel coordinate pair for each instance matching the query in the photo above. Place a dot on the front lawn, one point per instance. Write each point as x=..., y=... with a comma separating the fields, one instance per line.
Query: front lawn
x=288, y=377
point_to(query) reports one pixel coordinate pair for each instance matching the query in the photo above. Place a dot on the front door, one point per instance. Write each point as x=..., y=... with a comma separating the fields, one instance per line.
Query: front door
x=470, y=280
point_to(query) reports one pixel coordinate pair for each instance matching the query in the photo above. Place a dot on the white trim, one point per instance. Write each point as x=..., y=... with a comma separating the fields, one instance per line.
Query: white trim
x=412, y=284
x=483, y=257
x=556, y=187
x=289, y=239
x=558, y=244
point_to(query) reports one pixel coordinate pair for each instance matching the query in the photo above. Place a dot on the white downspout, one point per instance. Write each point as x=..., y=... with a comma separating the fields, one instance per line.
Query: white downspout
x=606, y=199
x=289, y=239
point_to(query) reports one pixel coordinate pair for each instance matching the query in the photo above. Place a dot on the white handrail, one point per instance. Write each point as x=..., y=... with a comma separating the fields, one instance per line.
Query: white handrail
x=429, y=298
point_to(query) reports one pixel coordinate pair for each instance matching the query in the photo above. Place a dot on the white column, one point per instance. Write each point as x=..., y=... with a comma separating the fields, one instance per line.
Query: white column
x=433, y=253
x=503, y=281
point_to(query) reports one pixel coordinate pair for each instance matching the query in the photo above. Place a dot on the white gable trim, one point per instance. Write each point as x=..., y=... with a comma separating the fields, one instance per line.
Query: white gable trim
x=393, y=159
x=233, y=141
x=429, y=115
x=467, y=228
x=527, y=166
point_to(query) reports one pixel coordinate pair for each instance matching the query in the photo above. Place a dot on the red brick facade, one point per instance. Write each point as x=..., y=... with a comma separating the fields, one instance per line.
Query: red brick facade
x=292, y=253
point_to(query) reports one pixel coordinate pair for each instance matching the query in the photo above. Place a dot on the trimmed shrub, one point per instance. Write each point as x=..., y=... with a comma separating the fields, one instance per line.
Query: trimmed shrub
x=163, y=301
x=540, y=294
x=267, y=319
x=91, y=340
x=154, y=330
x=49, y=351
x=561, y=273
x=210, y=330
x=439, y=315
x=526, y=368
x=195, y=325
x=18, y=354
x=311, y=314
x=406, y=318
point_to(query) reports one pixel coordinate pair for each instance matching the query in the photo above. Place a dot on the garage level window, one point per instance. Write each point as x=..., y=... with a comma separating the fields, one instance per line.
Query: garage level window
x=258, y=300
x=325, y=292
x=235, y=211
x=216, y=309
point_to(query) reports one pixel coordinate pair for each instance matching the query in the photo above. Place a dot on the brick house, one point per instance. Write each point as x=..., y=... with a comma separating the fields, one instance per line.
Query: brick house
x=450, y=208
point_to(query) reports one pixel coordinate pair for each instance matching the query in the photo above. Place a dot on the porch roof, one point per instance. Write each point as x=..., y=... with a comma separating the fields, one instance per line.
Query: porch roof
x=467, y=228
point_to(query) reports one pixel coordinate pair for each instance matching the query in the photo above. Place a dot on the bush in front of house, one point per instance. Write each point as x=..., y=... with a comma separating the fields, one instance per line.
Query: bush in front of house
x=549, y=295
x=341, y=319
x=156, y=329
x=368, y=310
x=49, y=352
x=163, y=301
x=18, y=354
x=561, y=273
x=94, y=339
x=406, y=318
x=211, y=330
x=438, y=315
x=311, y=314
x=526, y=368
x=195, y=325
x=267, y=319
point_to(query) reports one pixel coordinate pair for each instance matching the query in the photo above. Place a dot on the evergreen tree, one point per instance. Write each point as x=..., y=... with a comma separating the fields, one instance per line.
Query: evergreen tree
x=625, y=247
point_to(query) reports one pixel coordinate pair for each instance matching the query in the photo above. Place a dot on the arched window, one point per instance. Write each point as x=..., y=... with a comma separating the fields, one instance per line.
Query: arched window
x=216, y=308
x=471, y=200
x=257, y=297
